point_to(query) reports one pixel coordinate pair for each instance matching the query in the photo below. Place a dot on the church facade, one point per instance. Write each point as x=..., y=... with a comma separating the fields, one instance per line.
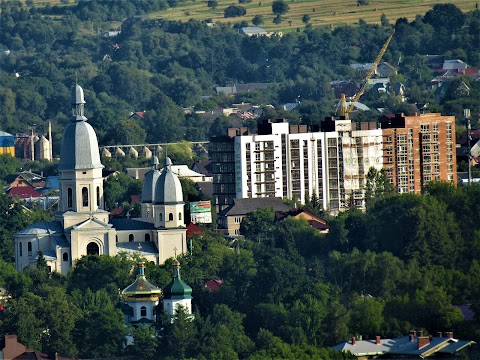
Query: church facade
x=82, y=226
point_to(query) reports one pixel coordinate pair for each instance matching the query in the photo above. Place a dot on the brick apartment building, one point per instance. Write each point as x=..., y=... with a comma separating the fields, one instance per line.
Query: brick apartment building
x=418, y=149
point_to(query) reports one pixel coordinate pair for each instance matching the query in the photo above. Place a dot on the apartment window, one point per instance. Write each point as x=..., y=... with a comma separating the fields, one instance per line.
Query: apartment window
x=449, y=157
x=435, y=126
x=247, y=146
x=435, y=137
x=450, y=168
x=436, y=168
x=257, y=156
x=258, y=177
x=449, y=147
x=426, y=148
x=425, y=127
x=257, y=146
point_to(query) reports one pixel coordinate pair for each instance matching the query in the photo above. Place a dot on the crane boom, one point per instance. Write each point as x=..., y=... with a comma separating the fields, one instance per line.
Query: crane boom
x=346, y=110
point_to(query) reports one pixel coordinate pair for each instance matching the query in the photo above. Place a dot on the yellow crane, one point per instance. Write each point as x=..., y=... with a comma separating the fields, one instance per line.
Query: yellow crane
x=345, y=109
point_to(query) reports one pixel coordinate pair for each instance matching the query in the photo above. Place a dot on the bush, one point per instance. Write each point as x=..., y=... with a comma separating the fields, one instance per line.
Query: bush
x=234, y=11
x=244, y=1
x=212, y=4
x=257, y=20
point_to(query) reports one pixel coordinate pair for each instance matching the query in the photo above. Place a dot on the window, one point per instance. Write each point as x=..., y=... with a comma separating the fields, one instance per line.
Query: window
x=449, y=157
x=449, y=167
x=84, y=196
x=29, y=248
x=20, y=249
x=257, y=146
x=131, y=237
x=65, y=256
x=93, y=249
x=116, y=238
x=98, y=195
x=160, y=217
x=147, y=237
x=179, y=216
x=69, y=197
x=170, y=217
x=143, y=311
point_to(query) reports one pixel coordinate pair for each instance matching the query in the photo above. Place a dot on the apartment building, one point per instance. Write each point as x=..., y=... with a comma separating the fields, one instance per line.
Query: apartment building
x=288, y=161
x=418, y=149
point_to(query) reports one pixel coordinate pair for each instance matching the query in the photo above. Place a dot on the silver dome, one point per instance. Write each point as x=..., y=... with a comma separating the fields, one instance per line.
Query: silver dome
x=79, y=147
x=168, y=189
x=149, y=185
x=77, y=95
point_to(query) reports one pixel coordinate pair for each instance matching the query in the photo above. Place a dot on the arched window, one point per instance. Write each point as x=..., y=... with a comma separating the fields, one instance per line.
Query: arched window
x=170, y=217
x=131, y=237
x=143, y=311
x=65, y=256
x=29, y=248
x=98, y=196
x=93, y=249
x=20, y=248
x=147, y=237
x=69, y=197
x=160, y=217
x=179, y=216
x=84, y=196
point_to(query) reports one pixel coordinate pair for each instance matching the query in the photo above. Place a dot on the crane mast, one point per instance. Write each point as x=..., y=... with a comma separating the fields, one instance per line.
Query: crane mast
x=345, y=109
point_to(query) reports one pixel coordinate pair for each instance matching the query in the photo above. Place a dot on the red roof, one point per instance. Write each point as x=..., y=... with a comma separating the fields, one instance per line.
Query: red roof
x=118, y=211
x=212, y=285
x=135, y=199
x=193, y=229
x=23, y=192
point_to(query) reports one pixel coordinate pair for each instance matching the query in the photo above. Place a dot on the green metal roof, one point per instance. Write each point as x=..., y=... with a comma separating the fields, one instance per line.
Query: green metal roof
x=141, y=286
x=177, y=289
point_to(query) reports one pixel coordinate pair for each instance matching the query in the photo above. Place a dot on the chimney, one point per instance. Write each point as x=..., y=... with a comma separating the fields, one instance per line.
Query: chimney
x=354, y=340
x=56, y=356
x=377, y=340
x=450, y=335
x=420, y=333
x=422, y=341
x=439, y=334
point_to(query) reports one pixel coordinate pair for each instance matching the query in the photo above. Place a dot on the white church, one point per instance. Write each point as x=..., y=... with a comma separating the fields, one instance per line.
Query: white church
x=82, y=225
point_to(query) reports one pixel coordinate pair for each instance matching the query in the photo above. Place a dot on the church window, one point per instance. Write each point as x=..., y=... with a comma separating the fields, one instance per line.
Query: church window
x=143, y=311
x=170, y=217
x=116, y=238
x=131, y=237
x=93, y=249
x=84, y=196
x=179, y=216
x=147, y=237
x=69, y=197
x=65, y=256
x=160, y=217
x=29, y=248
x=154, y=312
x=20, y=248
x=98, y=196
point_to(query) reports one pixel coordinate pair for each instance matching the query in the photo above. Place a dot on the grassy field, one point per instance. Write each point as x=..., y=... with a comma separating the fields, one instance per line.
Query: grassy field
x=322, y=12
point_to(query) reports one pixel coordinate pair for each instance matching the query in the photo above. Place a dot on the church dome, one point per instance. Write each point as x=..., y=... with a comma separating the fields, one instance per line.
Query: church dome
x=148, y=189
x=168, y=189
x=79, y=149
x=177, y=289
x=141, y=286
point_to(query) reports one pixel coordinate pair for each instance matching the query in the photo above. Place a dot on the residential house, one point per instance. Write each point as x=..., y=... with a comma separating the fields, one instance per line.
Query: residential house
x=11, y=349
x=231, y=218
x=315, y=221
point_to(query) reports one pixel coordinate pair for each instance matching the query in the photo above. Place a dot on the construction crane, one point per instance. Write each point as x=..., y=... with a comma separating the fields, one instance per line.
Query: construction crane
x=345, y=109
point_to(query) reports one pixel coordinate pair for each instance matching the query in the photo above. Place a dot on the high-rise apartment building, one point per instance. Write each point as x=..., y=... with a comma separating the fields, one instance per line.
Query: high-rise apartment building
x=288, y=161
x=418, y=149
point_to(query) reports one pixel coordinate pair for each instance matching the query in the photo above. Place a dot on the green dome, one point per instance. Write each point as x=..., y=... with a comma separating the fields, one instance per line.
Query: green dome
x=177, y=289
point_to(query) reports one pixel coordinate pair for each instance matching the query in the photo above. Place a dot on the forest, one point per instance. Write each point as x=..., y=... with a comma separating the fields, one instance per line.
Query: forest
x=287, y=292
x=161, y=67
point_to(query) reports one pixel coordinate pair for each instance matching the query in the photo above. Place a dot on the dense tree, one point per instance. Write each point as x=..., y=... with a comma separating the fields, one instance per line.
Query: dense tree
x=234, y=11
x=280, y=7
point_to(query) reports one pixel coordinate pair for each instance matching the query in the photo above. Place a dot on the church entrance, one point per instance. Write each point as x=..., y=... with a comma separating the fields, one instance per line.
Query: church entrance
x=92, y=249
